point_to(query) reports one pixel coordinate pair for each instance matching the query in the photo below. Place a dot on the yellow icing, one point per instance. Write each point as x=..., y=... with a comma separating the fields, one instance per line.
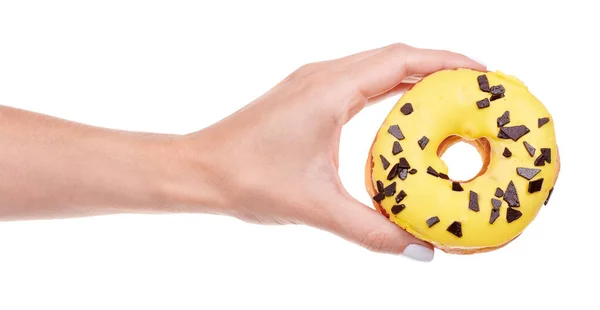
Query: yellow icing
x=445, y=104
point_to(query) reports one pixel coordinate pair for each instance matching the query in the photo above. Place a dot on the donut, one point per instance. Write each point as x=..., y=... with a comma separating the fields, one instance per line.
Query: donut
x=511, y=129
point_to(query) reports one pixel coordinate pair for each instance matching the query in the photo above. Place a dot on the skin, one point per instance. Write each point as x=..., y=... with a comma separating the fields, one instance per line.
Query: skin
x=275, y=161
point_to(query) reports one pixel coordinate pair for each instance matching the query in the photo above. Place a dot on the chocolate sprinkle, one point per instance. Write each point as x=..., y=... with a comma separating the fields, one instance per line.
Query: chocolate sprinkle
x=406, y=109
x=495, y=210
x=398, y=208
x=483, y=103
x=510, y=195
x=503, y=119
x=483, y=82
x=379, y=197
x=507, y=153
x=432, y=221
x=393, y=172
x=400, y=196
x=473, y=201
x=543, y=121
x=403, y=163
x=432, y=172
x=423, y=142
x=499, y=192
x=497, y=90
x=455, y=228
x=412, y=171
x=384, y=162
x=496, y=203
x=512, y=215
x=549, y=194
x=390, y=190
x=494, y=215
x=535, y=186
x=396, y=148
x=540, y=161
x=528, y=173
x=530, y=148
x=513, y=132
x=443, y=176
x=379, y=186
x=546, y=153
x=496, y=97
x=456, y=187
x=402, y=174
x=395, y=131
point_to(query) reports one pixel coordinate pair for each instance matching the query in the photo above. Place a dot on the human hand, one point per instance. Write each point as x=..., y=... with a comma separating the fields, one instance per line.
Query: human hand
x=275, y=161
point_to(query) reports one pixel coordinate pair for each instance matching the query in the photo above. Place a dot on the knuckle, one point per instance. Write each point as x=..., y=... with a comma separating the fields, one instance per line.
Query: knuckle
x=375, y=241
x=306, y=69
x=397, y=47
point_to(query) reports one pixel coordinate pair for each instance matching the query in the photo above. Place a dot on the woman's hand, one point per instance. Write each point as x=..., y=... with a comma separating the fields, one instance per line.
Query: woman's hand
x=275, y=161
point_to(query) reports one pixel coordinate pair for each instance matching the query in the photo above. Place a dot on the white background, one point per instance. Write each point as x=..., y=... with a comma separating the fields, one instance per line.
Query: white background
x=178, y=66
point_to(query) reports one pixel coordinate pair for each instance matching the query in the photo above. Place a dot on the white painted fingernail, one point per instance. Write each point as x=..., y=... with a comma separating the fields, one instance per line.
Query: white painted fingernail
x=418, y=252
x=478, y=61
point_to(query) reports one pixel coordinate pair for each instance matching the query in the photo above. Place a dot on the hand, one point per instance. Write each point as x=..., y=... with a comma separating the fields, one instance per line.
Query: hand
x=275, y=161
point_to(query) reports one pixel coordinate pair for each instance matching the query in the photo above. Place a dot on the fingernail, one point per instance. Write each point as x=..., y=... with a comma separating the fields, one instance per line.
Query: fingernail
x=478, y=61
x=418, y=252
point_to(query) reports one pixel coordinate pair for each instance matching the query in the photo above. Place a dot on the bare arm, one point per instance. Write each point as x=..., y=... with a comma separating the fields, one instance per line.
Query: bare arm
x=53, y=168
x=273, y=162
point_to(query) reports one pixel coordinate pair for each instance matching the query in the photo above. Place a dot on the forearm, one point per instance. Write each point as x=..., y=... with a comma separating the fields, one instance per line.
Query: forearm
x=52, y=168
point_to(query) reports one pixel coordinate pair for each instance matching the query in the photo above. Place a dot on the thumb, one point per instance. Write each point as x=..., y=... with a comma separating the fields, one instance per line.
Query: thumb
x=372, y=230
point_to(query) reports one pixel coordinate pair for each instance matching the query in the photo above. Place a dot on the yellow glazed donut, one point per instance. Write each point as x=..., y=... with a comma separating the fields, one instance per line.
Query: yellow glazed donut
x=511, y=129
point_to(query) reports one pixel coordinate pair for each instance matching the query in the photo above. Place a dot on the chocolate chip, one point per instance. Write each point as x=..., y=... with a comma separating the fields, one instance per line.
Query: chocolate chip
x=496, y=97
x=546, y=152
x=379, y=186
x=527, y=173
x=396, y=148
x=496, y=203
x=384, y=162
x=379, y=197
x=513, y=132
x=406, y=109
x=503, y=119
x=535, y=186
x=540, y=161
x=483, y=82
x=393, y=172
x=432, y=221
x=390, y=190
x=400, y=196
x=497, y=90
x=507, y=153
x=512, y=215
x=398, y=208
x=402, y=174
x=455, y=228
x=483, y=103
x=495, y=210
x=510, y=195
x=412, y=171
x=403, y=163
x=443, y=176
x=473, y=201
x=494, y=215
x=499, y=192
x=549, y=194
x=432, y=172
x=530, y=148
x=543, y=121
x=423, y=142
x=395, y=131
x=456, y=187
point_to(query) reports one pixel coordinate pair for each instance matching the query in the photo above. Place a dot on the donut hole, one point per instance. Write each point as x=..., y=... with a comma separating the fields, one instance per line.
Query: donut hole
x=466, y=159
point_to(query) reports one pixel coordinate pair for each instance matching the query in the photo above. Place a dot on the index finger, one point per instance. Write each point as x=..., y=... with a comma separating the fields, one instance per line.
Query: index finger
x=381, y=72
